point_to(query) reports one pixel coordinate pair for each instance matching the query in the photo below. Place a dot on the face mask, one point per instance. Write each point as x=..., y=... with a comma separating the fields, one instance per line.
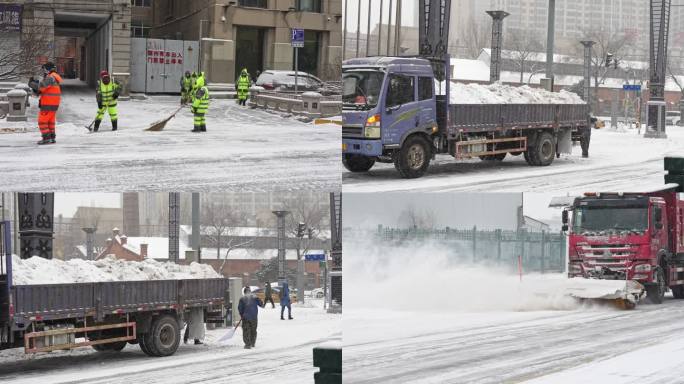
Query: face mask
x=106, y=80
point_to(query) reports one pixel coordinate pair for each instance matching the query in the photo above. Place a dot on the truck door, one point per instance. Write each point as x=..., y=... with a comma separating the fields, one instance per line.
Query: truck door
x=427, y=103
x=401, y=112
x=660, y=229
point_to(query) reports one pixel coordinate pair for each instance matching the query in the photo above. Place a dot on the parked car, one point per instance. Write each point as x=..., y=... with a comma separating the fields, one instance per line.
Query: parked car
x=284, y=81
x=673, y=118
x=259, y=292
x=318, y=293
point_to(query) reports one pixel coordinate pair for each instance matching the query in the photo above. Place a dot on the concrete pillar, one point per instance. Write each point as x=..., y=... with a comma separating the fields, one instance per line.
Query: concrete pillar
x=17, y=105
x=588, y=44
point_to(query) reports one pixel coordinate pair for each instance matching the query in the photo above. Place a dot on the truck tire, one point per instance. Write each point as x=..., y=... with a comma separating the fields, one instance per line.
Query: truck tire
x=164, y=336
x=357, y=163
x=143, y=346
x=655, y=293
x=110, y=347
x=497, y=157
x=678, y=291
x=543, y=151
x=413, y=159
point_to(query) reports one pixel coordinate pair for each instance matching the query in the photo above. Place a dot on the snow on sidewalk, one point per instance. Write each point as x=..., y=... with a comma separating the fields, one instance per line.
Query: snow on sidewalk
x=658, y=364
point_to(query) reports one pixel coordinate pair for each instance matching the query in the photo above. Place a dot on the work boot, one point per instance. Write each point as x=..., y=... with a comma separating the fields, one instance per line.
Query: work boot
x=115, y=125
x=198, y=342
x=203, y=128
x=196, y=128
x=585, y=155
x=53, y=138
x=248, y=347
x=45, y=140
x=290, y=318
x=282, y=318
x=97, y=125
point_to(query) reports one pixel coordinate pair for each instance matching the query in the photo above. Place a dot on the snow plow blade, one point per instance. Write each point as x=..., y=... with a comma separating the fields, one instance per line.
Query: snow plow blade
x=624, y=294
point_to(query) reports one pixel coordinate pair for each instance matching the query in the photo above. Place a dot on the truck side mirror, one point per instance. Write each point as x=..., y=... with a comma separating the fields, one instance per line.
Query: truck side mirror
x=564, y=227
x=659, y=225
x=565, y=217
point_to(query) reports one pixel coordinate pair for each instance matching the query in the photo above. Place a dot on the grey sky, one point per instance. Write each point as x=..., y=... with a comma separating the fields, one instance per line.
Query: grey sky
x=408, y=13
x=67, y=203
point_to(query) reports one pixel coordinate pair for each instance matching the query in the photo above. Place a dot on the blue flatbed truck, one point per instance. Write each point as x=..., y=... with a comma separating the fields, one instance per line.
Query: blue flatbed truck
x=103, y=315
x=394, y=112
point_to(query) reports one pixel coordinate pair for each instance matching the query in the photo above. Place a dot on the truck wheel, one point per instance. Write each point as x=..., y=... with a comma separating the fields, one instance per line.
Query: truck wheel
x=678, y=291
x=497, y=157
x=164, y=336
x=357, y=163
x=655, y=293
x=143, y=346
x=413, y=159
x=114, y=347
x=543, y=151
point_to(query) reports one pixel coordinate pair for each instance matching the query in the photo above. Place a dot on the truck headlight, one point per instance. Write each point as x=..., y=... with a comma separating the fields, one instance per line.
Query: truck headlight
x=642, y=268
x=372, y=128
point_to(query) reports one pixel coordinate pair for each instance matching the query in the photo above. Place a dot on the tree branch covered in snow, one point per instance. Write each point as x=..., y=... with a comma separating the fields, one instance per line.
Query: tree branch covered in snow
x=477, y=36
x=607, y=42
x=24, y=60
x=522, y=45
x=219, y=217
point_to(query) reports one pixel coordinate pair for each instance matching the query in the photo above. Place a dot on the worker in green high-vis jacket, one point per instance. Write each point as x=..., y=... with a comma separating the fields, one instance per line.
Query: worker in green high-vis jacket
x=200, y=105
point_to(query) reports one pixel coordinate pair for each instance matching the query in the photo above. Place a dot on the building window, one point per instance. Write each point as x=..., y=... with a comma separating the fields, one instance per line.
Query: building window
x=138, y=29
x=253, y=3
x=141, y=3
x=309, y=5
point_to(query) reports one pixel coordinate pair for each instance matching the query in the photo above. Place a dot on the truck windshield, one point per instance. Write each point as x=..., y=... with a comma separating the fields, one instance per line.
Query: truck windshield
x=599, y=219
x=362, y=88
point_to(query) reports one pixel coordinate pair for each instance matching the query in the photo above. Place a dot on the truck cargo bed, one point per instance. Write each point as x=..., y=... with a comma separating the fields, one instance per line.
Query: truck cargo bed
x=59, y=301
x=488, y=117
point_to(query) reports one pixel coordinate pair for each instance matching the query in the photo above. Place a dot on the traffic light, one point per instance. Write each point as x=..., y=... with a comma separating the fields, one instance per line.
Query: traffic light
x=609, y=59
x=301, y=227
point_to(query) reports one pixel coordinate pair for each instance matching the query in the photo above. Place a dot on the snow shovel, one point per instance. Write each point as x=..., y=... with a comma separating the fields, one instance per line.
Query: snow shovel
x=89, y=127
x=229, y=335
x=159, y=125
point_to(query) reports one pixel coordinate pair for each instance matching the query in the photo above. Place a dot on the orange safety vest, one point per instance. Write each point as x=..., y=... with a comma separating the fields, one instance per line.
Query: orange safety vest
x=50, y=92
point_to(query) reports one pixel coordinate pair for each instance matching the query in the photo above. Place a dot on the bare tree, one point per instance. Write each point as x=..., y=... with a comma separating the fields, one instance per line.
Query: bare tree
x=23, y=60
x=220, y=217
x=414, y=218
x=523, y=45
x=614, y=43
x=476, y=36
x=311, y=211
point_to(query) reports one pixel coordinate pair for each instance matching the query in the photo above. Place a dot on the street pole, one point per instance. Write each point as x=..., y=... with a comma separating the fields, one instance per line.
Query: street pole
x=497, y=41
x=380, y=29
x=397, y=30
x=389, y=27
x=358, y=28
x=344, y=31
x=551, y=29
x=368, y=30
x=296, y=70
x=281, y=243
x=588, y=44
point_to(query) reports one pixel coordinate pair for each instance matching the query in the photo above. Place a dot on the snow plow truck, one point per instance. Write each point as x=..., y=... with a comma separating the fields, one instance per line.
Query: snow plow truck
x=634, y=237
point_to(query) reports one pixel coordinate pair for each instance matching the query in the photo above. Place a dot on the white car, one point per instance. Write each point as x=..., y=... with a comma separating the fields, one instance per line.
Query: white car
x=673, y=118
x=318, y=293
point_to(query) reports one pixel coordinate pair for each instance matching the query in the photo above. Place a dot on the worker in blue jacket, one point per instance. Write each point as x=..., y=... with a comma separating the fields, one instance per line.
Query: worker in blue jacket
x=284, y=296
x=248, y=307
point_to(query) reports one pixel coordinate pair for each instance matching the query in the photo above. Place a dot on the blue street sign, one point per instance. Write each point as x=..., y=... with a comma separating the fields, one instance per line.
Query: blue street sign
x=314, y=257
x=297, y=38
x=631, y=87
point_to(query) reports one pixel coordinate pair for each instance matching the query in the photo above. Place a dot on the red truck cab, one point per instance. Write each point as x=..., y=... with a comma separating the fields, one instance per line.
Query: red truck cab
x=629, y=236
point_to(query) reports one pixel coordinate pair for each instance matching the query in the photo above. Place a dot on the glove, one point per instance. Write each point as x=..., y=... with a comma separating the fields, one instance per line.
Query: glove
x=193, y=110
x=99, y=104
x=116, y=95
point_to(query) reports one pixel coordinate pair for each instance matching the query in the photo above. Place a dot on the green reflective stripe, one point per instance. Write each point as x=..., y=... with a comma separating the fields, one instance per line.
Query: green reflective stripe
x=405, y=116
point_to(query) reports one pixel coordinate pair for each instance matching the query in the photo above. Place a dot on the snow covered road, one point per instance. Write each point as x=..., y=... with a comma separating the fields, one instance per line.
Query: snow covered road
x=244, y=149
x=284, y=350
x=584, y=345
x=619, y=161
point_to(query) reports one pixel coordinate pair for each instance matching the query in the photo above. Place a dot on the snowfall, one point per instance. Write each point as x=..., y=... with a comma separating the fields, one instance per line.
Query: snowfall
x=620, y=158
x=244, y=149
x=414, y=319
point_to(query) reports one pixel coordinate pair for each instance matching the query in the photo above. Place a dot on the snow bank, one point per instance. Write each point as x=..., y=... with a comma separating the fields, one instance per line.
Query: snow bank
x=498, y=93
x=37, y=270
x=427, y=278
